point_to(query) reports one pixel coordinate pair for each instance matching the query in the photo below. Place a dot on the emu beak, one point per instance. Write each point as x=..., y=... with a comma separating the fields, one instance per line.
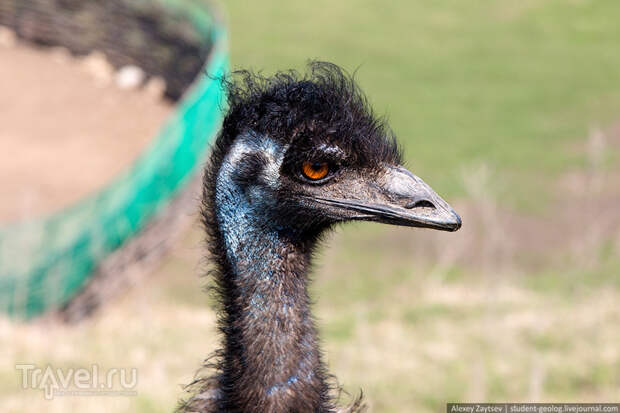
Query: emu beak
x=398, y=197
x=412, y=202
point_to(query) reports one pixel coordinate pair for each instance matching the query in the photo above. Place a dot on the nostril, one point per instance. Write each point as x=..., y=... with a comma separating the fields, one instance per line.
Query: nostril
x=422, y=203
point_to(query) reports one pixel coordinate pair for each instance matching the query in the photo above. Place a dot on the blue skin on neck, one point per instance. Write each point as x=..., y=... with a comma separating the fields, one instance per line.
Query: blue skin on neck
x=253, y=244
x=281, y=386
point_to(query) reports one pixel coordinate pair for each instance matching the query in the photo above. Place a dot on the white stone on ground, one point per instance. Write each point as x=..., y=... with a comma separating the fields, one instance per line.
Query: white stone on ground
x=156, y=86
x=129, y=77
x=98, y=66
x=7, y=37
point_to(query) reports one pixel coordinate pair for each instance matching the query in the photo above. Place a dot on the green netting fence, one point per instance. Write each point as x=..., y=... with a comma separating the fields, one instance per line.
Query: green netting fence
x=46, y=261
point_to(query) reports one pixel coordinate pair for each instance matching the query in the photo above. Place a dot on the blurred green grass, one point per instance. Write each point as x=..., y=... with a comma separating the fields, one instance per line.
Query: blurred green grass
x=509, y=83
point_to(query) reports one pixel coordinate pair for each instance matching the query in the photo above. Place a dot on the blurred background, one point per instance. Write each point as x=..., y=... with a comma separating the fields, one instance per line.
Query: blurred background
x=510, y=110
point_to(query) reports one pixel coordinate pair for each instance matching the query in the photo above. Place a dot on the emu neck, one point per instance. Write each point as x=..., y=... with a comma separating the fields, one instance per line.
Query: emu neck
x=271, y=362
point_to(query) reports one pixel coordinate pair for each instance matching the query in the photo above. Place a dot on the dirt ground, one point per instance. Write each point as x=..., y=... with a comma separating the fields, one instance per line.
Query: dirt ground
x=66, y=129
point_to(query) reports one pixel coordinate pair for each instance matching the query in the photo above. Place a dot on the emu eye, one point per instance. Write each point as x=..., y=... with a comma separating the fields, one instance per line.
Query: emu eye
x=315, y=170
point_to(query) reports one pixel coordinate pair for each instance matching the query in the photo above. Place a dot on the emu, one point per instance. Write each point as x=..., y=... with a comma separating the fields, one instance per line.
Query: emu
x=296, y=155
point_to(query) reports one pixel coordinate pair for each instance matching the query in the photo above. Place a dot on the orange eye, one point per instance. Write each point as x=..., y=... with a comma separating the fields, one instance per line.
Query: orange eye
x=315, y=170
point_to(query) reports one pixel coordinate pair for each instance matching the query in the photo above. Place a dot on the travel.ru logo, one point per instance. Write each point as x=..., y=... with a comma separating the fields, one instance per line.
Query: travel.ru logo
x=92, y=381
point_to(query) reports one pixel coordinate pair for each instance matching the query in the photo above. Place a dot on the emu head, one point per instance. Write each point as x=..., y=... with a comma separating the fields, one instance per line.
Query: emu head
x=308, y=152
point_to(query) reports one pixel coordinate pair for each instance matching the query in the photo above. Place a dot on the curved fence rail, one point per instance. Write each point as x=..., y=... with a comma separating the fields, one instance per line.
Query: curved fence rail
x=46, y=261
